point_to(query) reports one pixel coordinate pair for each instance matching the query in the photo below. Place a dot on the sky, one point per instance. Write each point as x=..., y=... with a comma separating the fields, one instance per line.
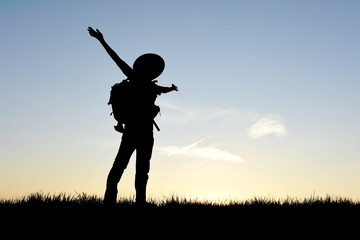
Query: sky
x=267, y=107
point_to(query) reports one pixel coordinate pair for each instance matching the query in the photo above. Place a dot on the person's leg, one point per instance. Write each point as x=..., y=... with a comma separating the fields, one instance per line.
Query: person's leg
x=122, y=159
x=143, y=156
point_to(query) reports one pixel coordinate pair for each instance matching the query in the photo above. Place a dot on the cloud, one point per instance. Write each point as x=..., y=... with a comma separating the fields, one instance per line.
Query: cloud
x=179, y=114
x=269, y=124
x=223, y=120
x=210, y=153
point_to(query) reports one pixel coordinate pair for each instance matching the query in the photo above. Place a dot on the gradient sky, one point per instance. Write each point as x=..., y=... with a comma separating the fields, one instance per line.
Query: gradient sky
x=268, y=100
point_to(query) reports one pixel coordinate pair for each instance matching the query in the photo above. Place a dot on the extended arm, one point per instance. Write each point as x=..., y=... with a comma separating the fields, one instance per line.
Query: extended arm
x=125, y=68
x=168, y=89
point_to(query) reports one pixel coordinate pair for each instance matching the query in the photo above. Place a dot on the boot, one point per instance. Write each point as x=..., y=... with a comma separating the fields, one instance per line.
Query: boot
x=140, y=187
x=110, y=197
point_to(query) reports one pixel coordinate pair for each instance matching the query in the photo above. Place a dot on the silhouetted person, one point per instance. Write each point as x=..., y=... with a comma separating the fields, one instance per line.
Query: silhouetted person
x=138, y=133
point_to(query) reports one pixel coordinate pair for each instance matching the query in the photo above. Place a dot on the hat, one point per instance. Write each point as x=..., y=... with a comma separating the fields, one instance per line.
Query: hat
x=149, y=66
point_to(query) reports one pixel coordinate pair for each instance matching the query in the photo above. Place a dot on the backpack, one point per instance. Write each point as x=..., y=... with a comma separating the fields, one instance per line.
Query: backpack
x=124, y=105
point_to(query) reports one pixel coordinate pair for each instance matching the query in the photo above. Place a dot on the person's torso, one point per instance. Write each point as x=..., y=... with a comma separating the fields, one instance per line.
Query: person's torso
x=142, y=98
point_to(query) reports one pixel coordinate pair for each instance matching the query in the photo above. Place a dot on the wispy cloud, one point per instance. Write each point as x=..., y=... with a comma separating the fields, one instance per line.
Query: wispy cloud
x=208, y=153
x=180, y=114
x=224, y=120
x=269, y=124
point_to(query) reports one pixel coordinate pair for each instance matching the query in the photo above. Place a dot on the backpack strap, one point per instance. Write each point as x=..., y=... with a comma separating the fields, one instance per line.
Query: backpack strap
x=157, y=127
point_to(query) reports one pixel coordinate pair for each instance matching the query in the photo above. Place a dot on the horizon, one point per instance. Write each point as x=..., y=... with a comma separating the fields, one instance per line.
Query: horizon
x=84, y=197
x=267, y=101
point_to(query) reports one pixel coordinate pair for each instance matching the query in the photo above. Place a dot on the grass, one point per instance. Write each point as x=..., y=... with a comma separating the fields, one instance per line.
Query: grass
x=83, y=200
x=80, y=200
x=62, y=212
x=180, y=206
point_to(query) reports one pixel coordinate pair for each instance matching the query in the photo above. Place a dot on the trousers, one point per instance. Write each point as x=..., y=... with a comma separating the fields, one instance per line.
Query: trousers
x=142, y=142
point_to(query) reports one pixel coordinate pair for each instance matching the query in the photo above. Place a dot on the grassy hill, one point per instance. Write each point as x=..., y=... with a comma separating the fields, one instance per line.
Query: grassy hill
x=183, y=218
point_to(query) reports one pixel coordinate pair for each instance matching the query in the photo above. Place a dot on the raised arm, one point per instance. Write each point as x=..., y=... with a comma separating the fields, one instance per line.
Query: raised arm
x=125, y=68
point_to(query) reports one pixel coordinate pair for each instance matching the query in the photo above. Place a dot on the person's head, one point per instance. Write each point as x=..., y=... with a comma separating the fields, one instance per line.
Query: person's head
x=148, y=66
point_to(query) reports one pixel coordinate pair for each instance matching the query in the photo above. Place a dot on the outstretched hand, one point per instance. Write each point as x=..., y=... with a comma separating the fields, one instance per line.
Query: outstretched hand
x=96, y=34
x=174, y=87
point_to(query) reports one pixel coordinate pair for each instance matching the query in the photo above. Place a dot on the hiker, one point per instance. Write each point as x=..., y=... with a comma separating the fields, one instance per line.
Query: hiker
x=138, y=132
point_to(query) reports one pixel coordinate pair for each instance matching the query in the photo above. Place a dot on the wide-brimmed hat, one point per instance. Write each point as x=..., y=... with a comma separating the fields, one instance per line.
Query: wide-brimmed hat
x=149, y=66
